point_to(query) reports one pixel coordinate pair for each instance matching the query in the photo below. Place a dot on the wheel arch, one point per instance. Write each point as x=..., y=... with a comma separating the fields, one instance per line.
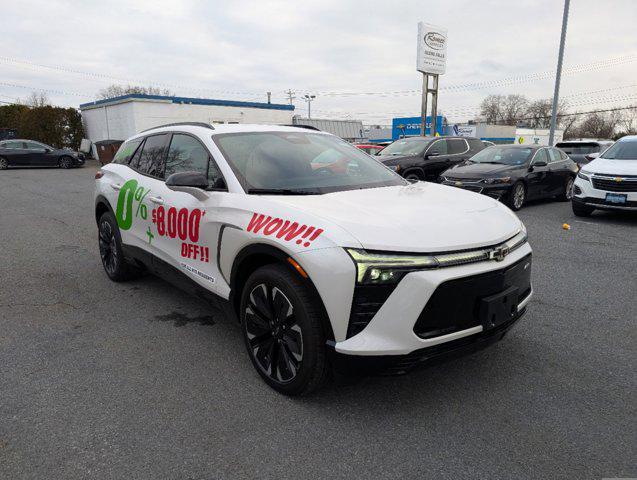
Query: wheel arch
x=417, y=170
x=102, y=206
x=255, y=256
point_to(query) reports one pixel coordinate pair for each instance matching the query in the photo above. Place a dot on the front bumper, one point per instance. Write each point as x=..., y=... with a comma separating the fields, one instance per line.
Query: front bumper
x=78, y=161
x=391, y=332
x=498, y=192
x=585, y=193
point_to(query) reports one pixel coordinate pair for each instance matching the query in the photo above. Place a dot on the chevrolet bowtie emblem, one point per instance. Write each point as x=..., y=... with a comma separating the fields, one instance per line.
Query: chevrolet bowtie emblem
x=498, y=253
x=619, y=179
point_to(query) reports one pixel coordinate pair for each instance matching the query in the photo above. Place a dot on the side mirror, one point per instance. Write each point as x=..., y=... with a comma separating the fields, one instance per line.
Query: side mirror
x=194, y=183
x=187, y=179
x=539, y=163
x=432, y=154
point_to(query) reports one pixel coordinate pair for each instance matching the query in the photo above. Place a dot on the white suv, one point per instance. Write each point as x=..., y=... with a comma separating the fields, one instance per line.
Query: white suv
x=610, y=181
x=328, y=259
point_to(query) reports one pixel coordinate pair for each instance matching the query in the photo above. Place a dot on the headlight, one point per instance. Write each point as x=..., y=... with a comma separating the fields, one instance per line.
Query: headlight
x=584, y=175
x=496, y=181
x=379, y=268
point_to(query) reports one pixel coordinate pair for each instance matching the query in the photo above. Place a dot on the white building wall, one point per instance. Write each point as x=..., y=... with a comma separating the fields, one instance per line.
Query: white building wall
x=122, y=120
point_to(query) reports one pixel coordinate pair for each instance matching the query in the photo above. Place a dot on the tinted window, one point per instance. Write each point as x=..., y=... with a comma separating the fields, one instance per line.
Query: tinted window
x=186, y=154
x=311, y=163
x=151, y=161
x=563, y=155
x=541, y=156
x=476, y=144
x=126, y=151
x=578, y=148
x=456, y=145
x=554, y=155
x=438, y=147
x=35, y=146
x=406, y=146
x=13, y=145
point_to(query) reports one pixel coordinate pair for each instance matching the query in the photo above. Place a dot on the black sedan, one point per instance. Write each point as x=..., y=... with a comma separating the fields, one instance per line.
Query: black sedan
x=516, y=173
x=425, y=158
x=21, y=153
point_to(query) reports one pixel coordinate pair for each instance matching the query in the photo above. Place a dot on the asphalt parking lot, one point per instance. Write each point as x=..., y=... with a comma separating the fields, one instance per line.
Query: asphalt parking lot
x=137, y=380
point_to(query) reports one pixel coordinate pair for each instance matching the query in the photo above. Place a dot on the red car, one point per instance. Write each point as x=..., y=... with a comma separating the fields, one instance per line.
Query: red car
x=370, y=149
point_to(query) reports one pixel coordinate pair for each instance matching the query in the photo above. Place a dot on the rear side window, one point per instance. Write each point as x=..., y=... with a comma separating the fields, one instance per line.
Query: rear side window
x=151, y=161
x=14, y=145
x=476, y=144
x=456, y=145
x=579, y=148
x=126, y=151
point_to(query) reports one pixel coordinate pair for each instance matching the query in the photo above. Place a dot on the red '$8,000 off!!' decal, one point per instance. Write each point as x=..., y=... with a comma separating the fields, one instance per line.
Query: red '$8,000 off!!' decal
x=283, y=229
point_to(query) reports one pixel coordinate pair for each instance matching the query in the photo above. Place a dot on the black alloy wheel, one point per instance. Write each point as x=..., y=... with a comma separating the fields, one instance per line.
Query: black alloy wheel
x=274, y=335
x=111, y=253
x=3, y=163
x=285, y=329
x=65, y=162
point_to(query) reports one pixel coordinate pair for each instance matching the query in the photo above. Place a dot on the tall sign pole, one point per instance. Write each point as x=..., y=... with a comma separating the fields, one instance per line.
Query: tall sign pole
x=431, y=61
x=558, y=74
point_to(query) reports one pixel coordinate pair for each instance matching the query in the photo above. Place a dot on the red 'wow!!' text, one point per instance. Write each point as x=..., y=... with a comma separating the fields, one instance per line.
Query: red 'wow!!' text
x=284, y=229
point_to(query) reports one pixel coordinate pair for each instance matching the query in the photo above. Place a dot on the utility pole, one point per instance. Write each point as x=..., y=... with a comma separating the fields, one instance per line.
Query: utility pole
x=291, y=96
x=309, y=99
x=269, y=97
x=558, y=75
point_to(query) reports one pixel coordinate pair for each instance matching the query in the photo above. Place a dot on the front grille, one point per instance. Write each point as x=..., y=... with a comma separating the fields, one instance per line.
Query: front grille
x=463, y=180
x=627, y=184
x=472, y=188
x=366, y=302
x=455, y=304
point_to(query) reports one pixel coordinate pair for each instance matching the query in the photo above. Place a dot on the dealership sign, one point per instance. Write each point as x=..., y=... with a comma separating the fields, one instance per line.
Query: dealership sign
x=432, y=49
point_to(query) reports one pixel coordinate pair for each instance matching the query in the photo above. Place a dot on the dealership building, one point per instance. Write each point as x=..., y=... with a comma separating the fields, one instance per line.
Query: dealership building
x=122, y=117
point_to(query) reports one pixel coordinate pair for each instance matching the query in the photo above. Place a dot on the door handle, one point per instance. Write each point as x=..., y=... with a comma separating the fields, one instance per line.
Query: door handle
x=156, y=200
x=116, y=186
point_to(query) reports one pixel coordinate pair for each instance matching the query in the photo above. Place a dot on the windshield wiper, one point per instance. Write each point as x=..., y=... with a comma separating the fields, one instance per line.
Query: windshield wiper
x=279, y=191
x=494, y=163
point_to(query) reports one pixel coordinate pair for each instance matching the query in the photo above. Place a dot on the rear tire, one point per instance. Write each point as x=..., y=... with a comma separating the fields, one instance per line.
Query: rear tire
x=111, y=253
x=65, y=162
x=517, y=196
x=581, y=210
x=4, y=164
x=568, y=190
x=282, y=324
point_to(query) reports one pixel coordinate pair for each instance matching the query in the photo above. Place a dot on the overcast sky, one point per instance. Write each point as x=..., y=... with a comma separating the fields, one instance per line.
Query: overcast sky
x=240, y=50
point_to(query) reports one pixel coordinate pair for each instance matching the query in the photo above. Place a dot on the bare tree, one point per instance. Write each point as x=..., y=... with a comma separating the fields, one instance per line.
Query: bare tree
x=503, y=109
x=538, y=114
x=597, y=125
x=113, y=91
x=37, y=99
x=628, y=121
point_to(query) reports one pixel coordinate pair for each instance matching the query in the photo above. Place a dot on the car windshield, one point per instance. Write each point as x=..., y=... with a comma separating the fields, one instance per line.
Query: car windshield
x=301, y=163
x=503, y=155
x=621, y=151
x=406, y=146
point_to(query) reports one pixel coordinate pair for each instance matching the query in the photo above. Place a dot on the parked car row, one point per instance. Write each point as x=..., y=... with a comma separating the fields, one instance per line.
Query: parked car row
x=29, y=153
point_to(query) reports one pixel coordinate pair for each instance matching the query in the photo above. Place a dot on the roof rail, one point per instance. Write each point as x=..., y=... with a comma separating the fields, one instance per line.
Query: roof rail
x=177, y=124
x=307, y=127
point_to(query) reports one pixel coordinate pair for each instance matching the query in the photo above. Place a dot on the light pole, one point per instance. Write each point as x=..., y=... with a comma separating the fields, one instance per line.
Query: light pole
x=558, y=74
x=308, y=99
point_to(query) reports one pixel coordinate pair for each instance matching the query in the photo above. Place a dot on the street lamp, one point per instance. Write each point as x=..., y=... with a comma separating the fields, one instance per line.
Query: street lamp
x=308, y=99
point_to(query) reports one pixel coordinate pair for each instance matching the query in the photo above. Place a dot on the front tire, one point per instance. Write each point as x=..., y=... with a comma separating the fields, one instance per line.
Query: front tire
x=281, y=320
x=111, y=253
x=65, y=162
x=517, y=197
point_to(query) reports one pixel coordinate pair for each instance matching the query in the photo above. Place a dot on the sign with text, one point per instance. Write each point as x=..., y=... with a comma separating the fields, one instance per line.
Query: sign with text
x=432, y=49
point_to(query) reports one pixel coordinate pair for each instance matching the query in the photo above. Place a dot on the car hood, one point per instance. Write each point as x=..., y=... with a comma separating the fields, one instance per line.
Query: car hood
x=473, y=170
x=612, y=167
x=423, y=217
